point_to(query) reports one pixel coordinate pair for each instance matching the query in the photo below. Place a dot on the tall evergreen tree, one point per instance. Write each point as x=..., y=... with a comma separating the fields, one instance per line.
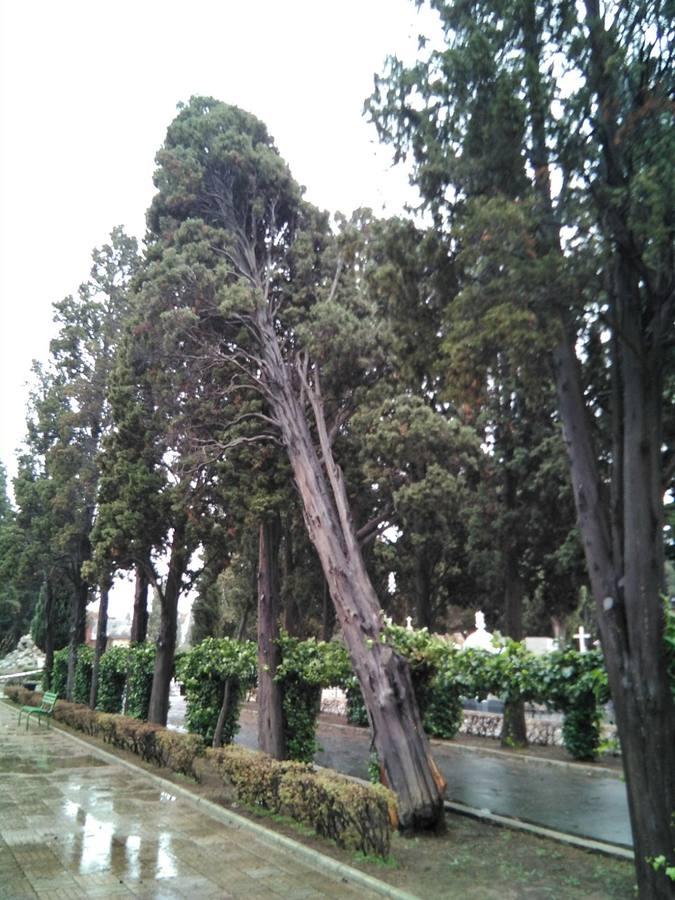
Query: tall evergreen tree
x=593, y=84
x=289, y=319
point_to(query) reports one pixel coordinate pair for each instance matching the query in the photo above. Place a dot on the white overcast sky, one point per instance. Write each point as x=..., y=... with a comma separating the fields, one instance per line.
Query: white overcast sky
x=88, y=88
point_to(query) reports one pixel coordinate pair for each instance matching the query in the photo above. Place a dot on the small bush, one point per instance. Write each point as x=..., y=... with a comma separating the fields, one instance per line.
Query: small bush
x=357, y=817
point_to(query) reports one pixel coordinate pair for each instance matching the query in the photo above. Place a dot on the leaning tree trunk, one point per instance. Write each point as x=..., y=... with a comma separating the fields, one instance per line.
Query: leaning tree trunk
x=382, y=673
x=158, y=708
x=101, y=641
x=270, y=712
x=139, y=622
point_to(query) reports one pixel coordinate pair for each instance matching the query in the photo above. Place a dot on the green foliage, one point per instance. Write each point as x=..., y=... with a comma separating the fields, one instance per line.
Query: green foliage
x=83, y=668
x=139, y=684
x=204, y=671
x=355, y=816
x=112, y=679
x=59, y=676
x=307, y=667
x=576, y=683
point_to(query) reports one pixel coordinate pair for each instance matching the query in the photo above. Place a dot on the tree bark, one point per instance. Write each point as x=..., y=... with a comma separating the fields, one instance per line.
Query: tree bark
x=270, y=712
x=383, y=675
x=621, y=529
x=327, y=614
x=101, y=641
x=139, y=622
x=158, y=709
x=49, y=631
x=78, y=625
x=514, y=728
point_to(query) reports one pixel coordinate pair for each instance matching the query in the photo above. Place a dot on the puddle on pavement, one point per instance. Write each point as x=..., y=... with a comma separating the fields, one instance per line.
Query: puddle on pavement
x=18, y=765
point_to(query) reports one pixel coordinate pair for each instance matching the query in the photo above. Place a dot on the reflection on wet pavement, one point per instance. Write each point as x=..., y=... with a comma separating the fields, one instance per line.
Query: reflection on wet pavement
x=74, y=825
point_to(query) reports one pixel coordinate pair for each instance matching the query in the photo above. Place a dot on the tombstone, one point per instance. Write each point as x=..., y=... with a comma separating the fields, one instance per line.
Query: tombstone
x=581, y=636
x=480, y=639
x=540, y=645
x=408, y=623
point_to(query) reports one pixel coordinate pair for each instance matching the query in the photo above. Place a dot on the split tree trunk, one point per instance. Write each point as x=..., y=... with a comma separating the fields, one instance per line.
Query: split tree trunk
x=270, y=712
x=139, y=622
x=158, y=708
x=383, y=675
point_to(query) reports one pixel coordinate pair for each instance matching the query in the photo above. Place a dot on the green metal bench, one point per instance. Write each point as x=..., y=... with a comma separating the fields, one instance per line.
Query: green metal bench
x=43, y=711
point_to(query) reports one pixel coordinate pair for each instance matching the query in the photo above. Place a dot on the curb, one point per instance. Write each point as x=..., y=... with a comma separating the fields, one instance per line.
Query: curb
x=526, y=758
x=613, y=850
x=307, y=854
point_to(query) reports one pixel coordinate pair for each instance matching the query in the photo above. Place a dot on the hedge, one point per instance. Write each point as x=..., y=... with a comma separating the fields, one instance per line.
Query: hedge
x=356, y=816
x=204, y=671
x=112, y=679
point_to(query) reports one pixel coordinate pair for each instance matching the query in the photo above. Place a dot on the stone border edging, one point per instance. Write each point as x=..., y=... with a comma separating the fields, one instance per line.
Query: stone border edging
x=614, y=850
x=308, y=854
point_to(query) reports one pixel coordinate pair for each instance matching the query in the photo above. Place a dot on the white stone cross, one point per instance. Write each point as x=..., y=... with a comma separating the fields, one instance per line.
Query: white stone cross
x=408, y=623
x=581, y=636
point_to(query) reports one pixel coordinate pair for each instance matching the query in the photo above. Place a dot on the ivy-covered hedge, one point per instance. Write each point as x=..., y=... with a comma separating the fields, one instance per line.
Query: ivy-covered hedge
x=356, y=816
x=139, y=680
x=568, y=681
x=59, y=677
x=112, y=679
x=83, y=669
x=204, y=671
x=306, y=668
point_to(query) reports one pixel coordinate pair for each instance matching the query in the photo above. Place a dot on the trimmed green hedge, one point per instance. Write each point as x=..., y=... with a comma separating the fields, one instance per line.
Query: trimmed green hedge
x=139, y=680
x=59, y=679
x=356, y=816
x=204, y=671
x=307, y=667
x=112, y=679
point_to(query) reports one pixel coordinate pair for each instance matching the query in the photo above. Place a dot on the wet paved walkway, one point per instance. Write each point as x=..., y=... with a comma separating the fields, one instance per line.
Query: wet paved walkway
x=75, y=825
x=577, y=800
